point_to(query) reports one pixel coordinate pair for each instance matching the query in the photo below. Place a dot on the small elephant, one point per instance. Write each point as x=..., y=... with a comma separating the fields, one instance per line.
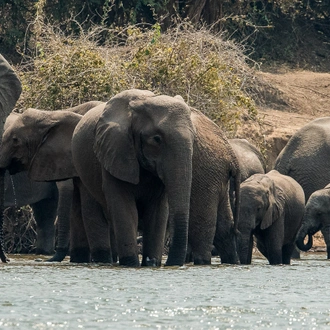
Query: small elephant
x=250, y=162
x=154, y=159
x=316, y=217
x=28, y=139
x=272, y=207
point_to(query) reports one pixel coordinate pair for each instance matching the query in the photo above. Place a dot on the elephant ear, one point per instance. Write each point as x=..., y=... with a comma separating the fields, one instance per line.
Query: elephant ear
x=53, y=159
x=10, y=89
x=114, y=145
x=276, y=207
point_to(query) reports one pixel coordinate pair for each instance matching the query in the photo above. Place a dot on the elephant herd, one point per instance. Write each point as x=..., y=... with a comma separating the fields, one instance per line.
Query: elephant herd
x=150, y=163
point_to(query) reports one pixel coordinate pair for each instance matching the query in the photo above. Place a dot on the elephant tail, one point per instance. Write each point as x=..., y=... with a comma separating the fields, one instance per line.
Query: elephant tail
x=235, y=174
x=237, y=179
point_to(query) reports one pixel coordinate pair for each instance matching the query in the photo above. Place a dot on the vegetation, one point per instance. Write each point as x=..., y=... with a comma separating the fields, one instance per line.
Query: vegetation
x=209, y=72
x=206, y=51
x=280, y=30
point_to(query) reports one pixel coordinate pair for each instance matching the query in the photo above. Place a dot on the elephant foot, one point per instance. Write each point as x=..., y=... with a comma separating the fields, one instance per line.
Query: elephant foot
x=45, y=252
x=60, y=254
x=102, y=256
x=80, y=255
x=232, y=260
x=153, y=262
x=132, y=261
x=198, y=261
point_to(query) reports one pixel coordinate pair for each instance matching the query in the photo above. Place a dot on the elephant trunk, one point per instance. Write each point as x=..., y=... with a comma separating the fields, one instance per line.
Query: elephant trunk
x=178, y=187
x=2, y=202
x=309, y=227
x=301, y=244
x=245, y=247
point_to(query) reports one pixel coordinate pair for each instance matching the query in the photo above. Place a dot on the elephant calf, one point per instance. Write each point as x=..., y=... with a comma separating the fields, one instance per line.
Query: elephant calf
x=316, y=217
x=272, y=208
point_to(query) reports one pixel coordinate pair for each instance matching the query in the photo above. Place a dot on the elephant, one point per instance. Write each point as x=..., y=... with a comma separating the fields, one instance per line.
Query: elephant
x=151, y=160
x=272, y=208
x=316, y=217
x=306, y=157
x=250, y=162
x=10, y=91
x=47, y=199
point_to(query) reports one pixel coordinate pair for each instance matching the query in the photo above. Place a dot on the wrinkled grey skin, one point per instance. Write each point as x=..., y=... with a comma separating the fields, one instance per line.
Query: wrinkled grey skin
x=10, y=91
x=250, y=161
x=316, y=217
x=272, y=207
x=150, y=158
x=306, y=157
x=47, y=199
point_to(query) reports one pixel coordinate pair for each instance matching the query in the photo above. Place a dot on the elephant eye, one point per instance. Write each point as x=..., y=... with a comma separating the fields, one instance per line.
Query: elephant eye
x=157, y=139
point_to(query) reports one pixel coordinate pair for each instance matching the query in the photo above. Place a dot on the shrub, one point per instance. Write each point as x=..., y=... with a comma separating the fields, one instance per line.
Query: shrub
x=210, y=73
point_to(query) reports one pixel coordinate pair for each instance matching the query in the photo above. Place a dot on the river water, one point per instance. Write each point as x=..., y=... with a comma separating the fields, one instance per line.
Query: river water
x=41, y=295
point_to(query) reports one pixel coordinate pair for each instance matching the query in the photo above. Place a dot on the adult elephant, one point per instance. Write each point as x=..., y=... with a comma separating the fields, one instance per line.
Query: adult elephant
x=90, y=238
x=154, y=158
x=316, y=217
x=47, y=199
x=10, y=91
x=306, y=157
x=272, y=207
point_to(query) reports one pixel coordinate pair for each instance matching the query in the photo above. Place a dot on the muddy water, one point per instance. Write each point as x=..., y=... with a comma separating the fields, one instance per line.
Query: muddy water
x=39, y=295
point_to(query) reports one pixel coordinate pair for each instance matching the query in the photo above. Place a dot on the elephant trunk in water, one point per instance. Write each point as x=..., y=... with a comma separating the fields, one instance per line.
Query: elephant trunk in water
x=245, y=247
x=178, y=186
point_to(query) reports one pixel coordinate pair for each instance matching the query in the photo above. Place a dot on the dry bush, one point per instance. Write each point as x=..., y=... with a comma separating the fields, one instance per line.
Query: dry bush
x=209, y=72
x=19, y=230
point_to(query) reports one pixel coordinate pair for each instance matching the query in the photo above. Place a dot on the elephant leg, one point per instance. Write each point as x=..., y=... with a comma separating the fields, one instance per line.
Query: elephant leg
x=65, y=189
x=3, y=256
x=295, y=253
x=202, y=225
x=79, y=247
x=45, y=215
x=123, y=213
x=287, y=251
x=154, y=218
x=96, y=226
x=225, y=239
x=326, y=235
x=273, y=246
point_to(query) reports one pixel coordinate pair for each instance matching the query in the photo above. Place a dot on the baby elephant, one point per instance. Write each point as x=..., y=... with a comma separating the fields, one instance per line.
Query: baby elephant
x=272, y=208
x=316, y=217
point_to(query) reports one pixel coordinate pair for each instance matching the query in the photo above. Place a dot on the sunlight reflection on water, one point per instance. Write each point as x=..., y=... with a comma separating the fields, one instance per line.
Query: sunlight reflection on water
x=40, y=295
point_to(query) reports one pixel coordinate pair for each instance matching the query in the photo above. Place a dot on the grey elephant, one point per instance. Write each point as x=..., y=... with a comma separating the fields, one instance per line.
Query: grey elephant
x=272, y=207
x=48, y=199
x=152, y=158
x=250, y=162
x=306, y=157
x=316, y=217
